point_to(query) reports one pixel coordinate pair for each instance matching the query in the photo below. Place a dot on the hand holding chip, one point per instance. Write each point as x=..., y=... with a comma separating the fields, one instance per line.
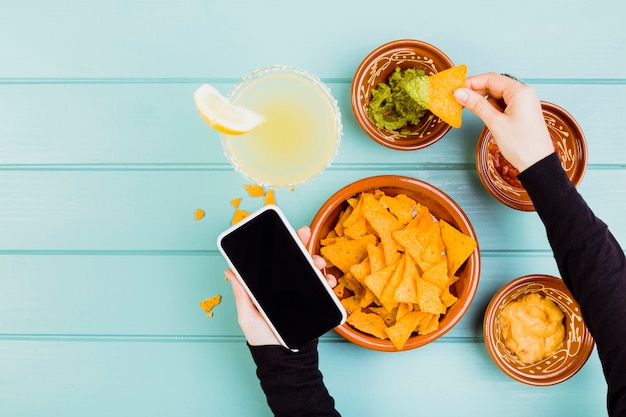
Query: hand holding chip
x=519, y=130
x=254, y=326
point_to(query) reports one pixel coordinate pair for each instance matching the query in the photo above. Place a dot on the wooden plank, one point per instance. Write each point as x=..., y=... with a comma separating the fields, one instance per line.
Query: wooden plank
x=173, y=38
x=169, y=379
x=106, y=125
x=154, y=210
x=157, y=295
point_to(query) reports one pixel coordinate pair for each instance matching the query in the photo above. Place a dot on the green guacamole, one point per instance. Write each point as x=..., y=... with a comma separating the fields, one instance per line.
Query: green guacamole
x=401, y=101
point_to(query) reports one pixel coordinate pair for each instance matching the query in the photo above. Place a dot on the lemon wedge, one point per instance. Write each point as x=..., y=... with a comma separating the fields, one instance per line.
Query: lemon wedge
x=222, y=115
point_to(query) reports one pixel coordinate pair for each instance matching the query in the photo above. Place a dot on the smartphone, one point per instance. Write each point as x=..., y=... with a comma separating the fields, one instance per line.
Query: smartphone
x=272, y=264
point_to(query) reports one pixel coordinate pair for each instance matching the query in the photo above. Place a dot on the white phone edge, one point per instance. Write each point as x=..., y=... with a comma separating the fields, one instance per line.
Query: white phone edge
x=300, y=245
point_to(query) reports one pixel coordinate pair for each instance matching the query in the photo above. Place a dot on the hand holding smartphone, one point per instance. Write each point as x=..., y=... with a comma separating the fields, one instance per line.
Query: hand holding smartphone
x=279, y=275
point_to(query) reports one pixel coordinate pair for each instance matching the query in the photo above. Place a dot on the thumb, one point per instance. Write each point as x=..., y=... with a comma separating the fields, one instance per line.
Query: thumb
x=477, y=104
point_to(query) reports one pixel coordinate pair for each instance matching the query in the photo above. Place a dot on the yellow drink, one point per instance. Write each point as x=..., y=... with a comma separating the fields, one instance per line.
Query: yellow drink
x=300, y=136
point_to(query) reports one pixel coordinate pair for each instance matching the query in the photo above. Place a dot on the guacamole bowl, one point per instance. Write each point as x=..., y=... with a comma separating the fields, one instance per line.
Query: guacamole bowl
x=442, y=208
x=559, y=364
x=376, y=68
x=499, y=177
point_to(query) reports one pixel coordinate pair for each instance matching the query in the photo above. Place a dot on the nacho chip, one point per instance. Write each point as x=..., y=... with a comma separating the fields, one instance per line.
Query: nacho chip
x=389, y=317
x=447, y=298
x=387, y=297
x=339, y=290
x=459, y=246
x=383, y=222
x=239, y=215
x=255, y=190
x=438, y=275
x=199, y=214
x=270, y=197
x=400, y=206
x=406, y=292
x=357, y=229
x=361, y=270
x=342, y=218
x=376, y=256
x=351, y=304
x=441, y=100
x=429, y=297
x=430, y=325
x=403, y=309
x=376, y=281
x=369, y=323
x=346, y=252
x=235, y=202
x=367, y=298
x=400, y=332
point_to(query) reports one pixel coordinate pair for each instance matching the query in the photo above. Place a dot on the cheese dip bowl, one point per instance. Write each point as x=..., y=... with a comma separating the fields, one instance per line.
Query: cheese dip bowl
x=567, y=358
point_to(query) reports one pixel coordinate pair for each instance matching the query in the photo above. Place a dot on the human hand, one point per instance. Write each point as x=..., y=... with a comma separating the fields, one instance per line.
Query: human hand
x=254, y=326
x=519, y=130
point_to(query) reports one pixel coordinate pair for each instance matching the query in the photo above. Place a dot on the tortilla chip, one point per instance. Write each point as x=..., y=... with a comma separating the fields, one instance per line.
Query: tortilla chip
x=351, y=283
x=459, y=246
x=400, y=206
x=438, y=275
x=370, y=323
x=383, y=222
x=447, y=298
x=387, y=297
x=376, y=256
x=199, y=214
x=269, y=198
x=357, y=229
x=406, y=292
x=235, y=202
x=400, y=332
x=239, y=215
x=403, y=309
x=376, y=281
x=441, y=100
x=254, y=190
x=367, y=298
x=429, y=297
x=342, y=217
x=361, y=270
x=389, y=317
x=339, y=290
x=346, y=252
x=351, y=304
x=430, y=325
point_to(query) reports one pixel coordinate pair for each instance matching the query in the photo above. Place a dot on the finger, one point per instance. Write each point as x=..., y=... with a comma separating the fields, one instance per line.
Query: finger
x=491, y=84
x=332, y=280
x=478, y=105
x=319, y=262
x=242, y=299
x=304, y=233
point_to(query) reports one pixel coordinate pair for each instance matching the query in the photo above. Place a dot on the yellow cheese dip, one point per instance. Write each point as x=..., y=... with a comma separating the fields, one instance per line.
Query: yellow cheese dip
x=532, y=327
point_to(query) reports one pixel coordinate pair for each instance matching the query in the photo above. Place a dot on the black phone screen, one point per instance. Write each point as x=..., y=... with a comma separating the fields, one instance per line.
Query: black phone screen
x=284, y=283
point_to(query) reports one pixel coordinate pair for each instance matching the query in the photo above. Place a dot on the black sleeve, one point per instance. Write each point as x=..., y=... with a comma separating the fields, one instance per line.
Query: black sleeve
x=592, y=265
x=292, y=381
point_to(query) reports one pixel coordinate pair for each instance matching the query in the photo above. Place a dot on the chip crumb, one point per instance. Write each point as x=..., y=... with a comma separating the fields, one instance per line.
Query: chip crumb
x=270, y=198
x=208, y=304
x=255, y=190
x=235, y=202
x=199, y=214
x=239, y=215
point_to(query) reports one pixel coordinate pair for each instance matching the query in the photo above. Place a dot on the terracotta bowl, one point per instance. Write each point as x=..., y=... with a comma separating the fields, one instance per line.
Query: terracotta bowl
x=377, y=66
x=442, y=207
x=566, y=361
x=569, y=140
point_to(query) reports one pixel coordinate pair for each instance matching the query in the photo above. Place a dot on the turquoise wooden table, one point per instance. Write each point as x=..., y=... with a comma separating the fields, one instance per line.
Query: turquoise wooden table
x=104, y=160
